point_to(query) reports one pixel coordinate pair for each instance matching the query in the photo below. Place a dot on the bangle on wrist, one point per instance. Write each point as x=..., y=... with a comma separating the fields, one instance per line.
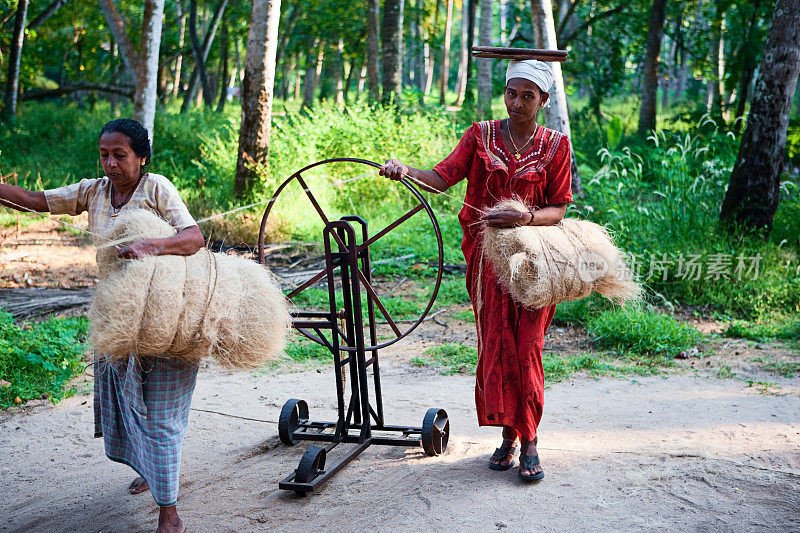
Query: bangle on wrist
x=532, y=216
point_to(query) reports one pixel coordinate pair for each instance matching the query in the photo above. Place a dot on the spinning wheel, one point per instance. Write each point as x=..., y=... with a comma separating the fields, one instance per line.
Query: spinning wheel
x=398, y=330
x=348, y=272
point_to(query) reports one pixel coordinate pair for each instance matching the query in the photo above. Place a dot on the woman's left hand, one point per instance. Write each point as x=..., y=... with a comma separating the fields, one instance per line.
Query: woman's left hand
x=506, y=219
x=138, y=250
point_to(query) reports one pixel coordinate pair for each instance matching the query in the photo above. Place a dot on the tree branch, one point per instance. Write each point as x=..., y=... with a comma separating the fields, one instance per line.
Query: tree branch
x=48, y=12
x=605, y=14
x=563, y=23
x=67, y=89
x=117, y=26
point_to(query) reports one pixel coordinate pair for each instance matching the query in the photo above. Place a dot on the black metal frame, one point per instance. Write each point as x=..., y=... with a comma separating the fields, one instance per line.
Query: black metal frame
x=360, y=421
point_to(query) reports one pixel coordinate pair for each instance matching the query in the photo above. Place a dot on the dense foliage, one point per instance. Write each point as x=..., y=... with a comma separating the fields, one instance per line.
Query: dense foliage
x=38, y=359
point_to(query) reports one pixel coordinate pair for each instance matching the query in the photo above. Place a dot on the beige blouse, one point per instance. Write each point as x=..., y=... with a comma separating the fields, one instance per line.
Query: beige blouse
x=154, y=192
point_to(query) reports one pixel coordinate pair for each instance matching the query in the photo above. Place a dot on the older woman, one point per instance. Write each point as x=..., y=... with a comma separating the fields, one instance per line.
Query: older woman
x=513, y=157
x=141, y=406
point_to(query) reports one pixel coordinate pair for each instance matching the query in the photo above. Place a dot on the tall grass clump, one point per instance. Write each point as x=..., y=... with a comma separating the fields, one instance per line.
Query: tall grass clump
x=642, y=333
x=662, y=205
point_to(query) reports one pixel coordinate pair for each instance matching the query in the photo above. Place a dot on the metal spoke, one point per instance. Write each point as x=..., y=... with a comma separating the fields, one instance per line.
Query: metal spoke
x=318, y=208
x=378, y=302
x=309, y=282
x=391, y=226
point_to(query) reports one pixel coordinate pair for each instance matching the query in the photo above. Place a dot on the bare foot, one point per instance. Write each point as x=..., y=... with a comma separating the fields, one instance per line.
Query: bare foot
x=529, y=448
x=138, y=486
x=509, y=438
x=169, y=521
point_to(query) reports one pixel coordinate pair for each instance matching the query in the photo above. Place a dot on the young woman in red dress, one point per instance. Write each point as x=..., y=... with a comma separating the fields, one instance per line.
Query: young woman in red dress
x=513, y=157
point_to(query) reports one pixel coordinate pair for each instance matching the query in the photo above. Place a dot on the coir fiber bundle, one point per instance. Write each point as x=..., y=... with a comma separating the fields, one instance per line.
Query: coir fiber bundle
x=184, y=307
x=546, y=265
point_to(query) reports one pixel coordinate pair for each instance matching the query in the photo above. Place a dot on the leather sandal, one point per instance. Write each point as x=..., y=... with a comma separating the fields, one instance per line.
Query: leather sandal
x=500, y=455
x=527, y=462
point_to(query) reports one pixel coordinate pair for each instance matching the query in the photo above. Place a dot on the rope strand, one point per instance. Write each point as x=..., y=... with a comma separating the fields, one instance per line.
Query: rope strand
x=236, y=210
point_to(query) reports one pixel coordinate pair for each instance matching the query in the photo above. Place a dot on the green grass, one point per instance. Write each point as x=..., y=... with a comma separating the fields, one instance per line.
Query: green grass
x=467, y=315
x=450, y=358
x=39, y=359
x=306, y=351
x=452, y=291
x=642, y=333
x=558, y=367
x=786, y=329
x=398, y=308
x=455, y=358
x=785, y=369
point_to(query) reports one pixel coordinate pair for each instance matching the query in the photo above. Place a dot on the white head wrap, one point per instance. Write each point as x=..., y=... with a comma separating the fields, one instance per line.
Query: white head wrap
x=538, y=72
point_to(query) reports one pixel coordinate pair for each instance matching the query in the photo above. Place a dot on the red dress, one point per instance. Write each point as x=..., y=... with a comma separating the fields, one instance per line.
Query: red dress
x=509, y=388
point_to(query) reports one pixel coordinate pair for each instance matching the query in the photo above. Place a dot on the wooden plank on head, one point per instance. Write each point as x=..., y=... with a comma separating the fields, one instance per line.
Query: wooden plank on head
x=497, y=52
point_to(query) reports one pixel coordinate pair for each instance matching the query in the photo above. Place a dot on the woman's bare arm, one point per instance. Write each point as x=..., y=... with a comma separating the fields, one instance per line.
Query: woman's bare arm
x=188, y=241
x=546, y=216
x=22, y=199
x=430, y=180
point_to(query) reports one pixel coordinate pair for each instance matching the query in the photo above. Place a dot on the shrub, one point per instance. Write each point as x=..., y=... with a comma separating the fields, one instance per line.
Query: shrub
x=642, y=333
x=39, y=359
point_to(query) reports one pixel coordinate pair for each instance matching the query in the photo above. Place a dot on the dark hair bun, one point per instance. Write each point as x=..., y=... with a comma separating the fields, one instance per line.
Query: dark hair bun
x=140, y=141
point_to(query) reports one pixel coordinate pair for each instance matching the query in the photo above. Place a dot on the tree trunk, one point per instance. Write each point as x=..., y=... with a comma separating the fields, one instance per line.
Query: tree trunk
x=754, y=189
x=297, y=79
x=144, y=101
x=485, y=65
x=224, y=74
x=428, y=64
x=469, y=96
x=197, y=53
x=392, y=36
x=461, y=88
x=503, y=16
x=747, y=51
x=259, y=77
x=419, y=49
x=715, y=52
x=117, y=26
x=313, y=69
x=113, y=99
x=354, y=67
x=430, y=57
x=683, y=74
x=176, y=86
x=48, y=12
x=286, y=33
x=338, y=74
x=446, y=50
x=373, y=51
x=14, y=56
x=208, y=40
x=557, y=115
x=647, y=111
x=362, y=80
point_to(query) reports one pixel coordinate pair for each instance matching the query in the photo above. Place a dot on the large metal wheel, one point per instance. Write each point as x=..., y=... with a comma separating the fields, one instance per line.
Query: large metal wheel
x=293, y=413
x=311, y=465
x=435, y=431
x=397, y=329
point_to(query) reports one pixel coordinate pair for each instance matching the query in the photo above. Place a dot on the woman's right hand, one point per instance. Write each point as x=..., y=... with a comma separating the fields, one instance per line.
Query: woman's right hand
x=394, y=169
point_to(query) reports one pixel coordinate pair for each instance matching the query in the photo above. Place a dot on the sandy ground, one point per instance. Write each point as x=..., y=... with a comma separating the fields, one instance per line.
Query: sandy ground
x=683, y=451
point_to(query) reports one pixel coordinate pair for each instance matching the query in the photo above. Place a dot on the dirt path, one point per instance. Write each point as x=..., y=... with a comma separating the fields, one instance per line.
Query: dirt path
x=683, y=451
x=688, y=452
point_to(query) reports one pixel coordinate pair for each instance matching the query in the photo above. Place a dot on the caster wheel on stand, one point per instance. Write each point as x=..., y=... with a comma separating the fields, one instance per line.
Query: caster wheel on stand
x=435, y=432
x=293, y=412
